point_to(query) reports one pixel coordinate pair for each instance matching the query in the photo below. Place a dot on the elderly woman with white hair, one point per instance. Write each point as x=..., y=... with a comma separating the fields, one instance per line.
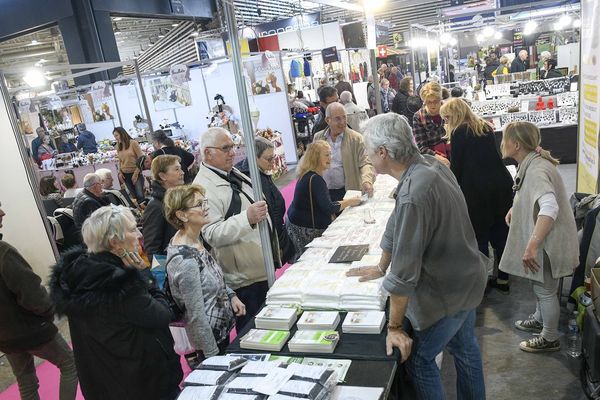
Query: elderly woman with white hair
x=355, y=115
x=430, y=245
x=119, y=322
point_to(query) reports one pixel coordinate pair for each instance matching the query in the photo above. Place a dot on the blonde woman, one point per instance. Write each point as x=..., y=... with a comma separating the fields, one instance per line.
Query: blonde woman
x=428, y=125
x=311, y=210
x=542, y=238
x=503, y=68
x=194, y=277
x=483, y=178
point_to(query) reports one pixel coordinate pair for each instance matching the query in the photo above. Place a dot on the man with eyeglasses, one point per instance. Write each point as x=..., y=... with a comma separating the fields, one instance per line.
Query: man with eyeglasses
x=350, y=166
x=89, y=199
x=233, y=234
x=327, y=95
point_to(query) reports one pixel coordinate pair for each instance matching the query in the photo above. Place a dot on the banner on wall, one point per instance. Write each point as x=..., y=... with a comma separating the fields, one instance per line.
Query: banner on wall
x=168, y=93
x=207, y=49
x=263, y=75
x=288, y=24
x=589, y=115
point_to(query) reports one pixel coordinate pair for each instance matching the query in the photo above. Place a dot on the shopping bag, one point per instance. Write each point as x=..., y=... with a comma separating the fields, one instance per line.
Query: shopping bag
x=182, y=343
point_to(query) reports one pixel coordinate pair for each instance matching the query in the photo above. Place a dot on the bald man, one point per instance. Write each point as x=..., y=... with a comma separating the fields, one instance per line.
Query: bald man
x=350, y=167
x=520, y=64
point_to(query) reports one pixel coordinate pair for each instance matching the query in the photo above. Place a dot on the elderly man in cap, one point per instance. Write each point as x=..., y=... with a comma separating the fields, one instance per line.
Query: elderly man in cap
x=350, y=166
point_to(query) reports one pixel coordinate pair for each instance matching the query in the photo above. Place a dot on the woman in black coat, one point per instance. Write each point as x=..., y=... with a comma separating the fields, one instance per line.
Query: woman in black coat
x=166, y=173
x=119, y=322
x=483, y=178
x=265, y=156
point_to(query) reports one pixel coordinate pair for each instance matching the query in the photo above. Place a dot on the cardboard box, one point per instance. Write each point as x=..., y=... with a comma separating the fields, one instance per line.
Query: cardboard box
x=595, y=276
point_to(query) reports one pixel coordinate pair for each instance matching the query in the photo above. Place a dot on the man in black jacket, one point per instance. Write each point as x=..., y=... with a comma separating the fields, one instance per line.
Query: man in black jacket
x=26, y=327
x=165, y=145
x=519, y=64
x=327, y=95
x=89, y=199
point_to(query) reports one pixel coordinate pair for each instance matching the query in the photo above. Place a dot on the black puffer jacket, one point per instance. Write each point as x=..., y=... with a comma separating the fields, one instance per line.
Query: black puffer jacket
x=85, y=204
x=276, y=205
x=119, y=327
x=401, y=105
x=155, y=228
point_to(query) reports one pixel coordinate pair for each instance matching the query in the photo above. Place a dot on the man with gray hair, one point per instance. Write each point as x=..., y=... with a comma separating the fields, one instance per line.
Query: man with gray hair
x=356, y=116
x=520, y=64
x=89, y=199
x=233, y=214
x=437, y=276
x=86, y=140
x=350, y=167
x=114, y=196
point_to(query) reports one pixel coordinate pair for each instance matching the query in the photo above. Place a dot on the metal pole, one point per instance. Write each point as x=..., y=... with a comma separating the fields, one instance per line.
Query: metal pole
x=412, y=60
x=236, y=58
x=143, y=94
x=376, y=82
x=112, y=86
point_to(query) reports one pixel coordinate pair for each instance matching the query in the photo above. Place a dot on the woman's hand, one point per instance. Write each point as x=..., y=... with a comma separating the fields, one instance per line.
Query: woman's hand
x=529, y=261
x=132, y=258
x=443, y=160
x=121, y=177
x=508, y=217
x=239, y=309
x=135, y=176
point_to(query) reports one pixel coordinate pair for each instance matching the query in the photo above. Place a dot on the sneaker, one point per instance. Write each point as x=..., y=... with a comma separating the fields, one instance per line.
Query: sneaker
x=539, y=345
x=529, y=325
x=503, y=288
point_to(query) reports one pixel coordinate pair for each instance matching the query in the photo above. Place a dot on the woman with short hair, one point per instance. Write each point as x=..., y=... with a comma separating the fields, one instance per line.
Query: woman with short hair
x=483, y=178
x=428, y=125
x=542, y=243
x=49, y=190
x=68, y=182
x=119, y=322
x=46, y=151
x=128, y=151
x=195, y=279
x=166, y=173
x=311, y=210
x=503, y=68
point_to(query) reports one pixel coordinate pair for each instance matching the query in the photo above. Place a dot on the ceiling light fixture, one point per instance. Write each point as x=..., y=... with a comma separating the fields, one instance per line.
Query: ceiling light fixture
x=565, y=20
x=117, y=18
x=160, y=33
x=530, y=27
x=498, y=35
x=174, y=25
x=488, y=31
x=577, y=23
x=453, y=42
x=35, y=77
x=34, y=42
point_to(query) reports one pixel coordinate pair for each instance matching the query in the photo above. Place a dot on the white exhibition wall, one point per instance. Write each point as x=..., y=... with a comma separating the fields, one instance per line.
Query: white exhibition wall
x=23, y=225
x=314, y=38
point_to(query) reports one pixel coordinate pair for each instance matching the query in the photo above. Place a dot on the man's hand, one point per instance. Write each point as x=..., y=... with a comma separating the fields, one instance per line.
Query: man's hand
x=365, y=273
x=367, y=188
x=239, y=309
x=399, y=339
x=256, y=212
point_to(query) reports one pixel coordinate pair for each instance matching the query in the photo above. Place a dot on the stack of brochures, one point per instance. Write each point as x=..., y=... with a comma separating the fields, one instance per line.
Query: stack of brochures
x=316, y=341
x=263, y=339
x=319, y=320
x=369, y=322
x=273, y=317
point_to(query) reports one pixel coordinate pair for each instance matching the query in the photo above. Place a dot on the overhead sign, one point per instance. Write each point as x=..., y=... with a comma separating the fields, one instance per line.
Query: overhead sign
x=288, y=24
x=382, y=33
x=382, y=51
x=330, y=55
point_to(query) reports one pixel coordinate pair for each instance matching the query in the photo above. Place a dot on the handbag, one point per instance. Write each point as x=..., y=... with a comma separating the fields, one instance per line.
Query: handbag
x=176, y=311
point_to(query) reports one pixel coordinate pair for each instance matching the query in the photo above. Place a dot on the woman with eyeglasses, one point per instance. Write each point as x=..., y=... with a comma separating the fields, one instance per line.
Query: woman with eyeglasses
x=265, y=157
x=166, y=173
x=195, y=279
x=428, y=125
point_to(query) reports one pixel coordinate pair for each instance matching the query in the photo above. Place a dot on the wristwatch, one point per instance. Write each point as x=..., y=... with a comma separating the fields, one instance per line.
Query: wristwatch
x=394, y=327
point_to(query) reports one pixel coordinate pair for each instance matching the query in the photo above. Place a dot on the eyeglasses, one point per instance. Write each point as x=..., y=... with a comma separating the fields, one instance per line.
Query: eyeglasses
x=339, y=118
x=225, y=149
x=202, y=204
x=269, y=159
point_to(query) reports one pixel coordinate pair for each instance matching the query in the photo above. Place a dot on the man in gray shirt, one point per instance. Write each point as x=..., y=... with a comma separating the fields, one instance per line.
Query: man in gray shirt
x=437, y=275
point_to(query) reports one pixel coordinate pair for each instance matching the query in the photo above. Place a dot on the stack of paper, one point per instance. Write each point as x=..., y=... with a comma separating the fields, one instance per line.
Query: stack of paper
x=223, y=363
x=285, y=290
x=259, y=368
x=278, y=318
x=356, y=392
x=356, y=295
x=314, y=341
x=205, y=377
x=262, y=339
x=200, y=392
x=319, y=320
x=370, y=322
x=303, y=389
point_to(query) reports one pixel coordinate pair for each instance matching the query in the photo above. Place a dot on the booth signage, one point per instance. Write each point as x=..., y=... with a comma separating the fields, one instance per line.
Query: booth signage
x=382, y=33
x=288, y=24
x=180, y=74
x=382, y=51
x=330, y=55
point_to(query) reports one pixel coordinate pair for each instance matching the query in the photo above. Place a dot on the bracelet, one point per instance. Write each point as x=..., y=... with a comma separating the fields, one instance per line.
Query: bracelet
x=381, y=270
x=394, y=327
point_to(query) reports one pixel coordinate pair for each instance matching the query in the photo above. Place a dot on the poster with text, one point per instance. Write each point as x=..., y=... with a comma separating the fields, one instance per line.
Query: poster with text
x=168, y=93
x=589, y=114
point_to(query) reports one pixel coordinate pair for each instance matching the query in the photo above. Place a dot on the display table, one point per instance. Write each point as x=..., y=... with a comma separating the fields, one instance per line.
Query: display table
x=560, y=140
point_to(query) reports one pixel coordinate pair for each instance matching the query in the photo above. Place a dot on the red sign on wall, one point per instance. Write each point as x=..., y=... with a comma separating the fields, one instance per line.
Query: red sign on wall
x=382, y=52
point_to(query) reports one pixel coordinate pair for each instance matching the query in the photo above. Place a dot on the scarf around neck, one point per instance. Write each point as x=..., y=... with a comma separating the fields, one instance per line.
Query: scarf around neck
x=522, y=170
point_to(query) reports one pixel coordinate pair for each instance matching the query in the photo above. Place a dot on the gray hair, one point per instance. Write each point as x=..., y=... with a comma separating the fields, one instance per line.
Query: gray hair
x=262, y=144
x=331, y=108
x=104, y=224
x=90, y=179
x=393, y=132
x=209, y=138
x=103, y=173
x=345, y=97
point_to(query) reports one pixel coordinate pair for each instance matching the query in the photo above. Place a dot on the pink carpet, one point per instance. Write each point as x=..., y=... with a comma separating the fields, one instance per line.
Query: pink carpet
x=48, y=374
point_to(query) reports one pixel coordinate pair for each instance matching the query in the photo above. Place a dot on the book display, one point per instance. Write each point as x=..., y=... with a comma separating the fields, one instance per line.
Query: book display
x=314, y=341
x=278, y=318
x=318, y=320
x=366, y=322
x=263, y=339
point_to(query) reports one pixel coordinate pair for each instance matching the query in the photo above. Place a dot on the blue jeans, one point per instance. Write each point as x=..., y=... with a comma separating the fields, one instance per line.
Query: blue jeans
x=457, y=334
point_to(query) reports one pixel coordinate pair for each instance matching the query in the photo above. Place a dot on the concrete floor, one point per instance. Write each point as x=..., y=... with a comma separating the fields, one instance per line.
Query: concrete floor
x=509, y=372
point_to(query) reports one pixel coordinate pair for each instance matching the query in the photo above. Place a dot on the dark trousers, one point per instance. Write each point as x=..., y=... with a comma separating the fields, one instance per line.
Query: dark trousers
x=337, y=194
x=58, y=352
x=496, y=236
x=135, y=189
x=253, y=297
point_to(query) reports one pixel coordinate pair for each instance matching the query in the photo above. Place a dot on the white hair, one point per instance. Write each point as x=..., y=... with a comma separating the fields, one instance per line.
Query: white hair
x=393, y=132
x=546, y=54
x=90, y=179
x=104, y=224
x=331, y=108
x=104, y=173
x=209, y=138
x=345, y=97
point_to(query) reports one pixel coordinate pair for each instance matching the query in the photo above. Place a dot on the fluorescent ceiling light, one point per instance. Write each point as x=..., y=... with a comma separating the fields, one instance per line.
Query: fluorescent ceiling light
x=488, y=31
x=117, y=18
x=530, y=27
x=35, y=77
x=174, y=25
x=565, y=20
x=195, y=33
x=445, y=38
x=498, y=35
x=453, y=42
x=543, y=12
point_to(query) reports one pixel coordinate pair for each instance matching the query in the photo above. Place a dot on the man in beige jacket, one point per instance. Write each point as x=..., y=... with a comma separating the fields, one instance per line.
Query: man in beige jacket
x=350, y=167
x=233, y=232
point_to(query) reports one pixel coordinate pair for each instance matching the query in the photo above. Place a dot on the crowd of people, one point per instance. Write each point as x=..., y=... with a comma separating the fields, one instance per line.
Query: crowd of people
x=454, y=199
